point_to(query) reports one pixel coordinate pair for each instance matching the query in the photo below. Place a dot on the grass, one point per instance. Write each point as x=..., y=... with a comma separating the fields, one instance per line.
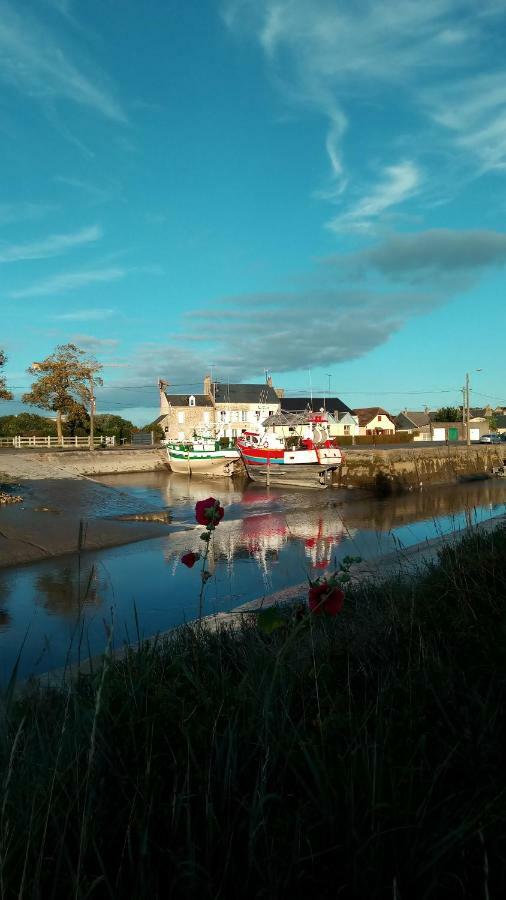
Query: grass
x=359, y=757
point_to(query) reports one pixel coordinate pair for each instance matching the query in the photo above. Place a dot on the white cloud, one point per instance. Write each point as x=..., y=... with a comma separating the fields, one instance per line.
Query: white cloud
x=337, y=57
x=24, y=211
x=94, y=343
x=53, y=245
x=398, y=184
x=35, y=62
x=69, y=281
x=85, y=315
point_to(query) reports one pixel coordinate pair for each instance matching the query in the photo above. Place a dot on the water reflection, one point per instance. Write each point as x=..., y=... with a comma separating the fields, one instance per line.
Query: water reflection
x=67, y=591
x=268, y=540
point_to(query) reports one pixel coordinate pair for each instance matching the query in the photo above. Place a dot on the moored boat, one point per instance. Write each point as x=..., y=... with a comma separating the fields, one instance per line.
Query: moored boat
x=306, y=459
x=202, y=456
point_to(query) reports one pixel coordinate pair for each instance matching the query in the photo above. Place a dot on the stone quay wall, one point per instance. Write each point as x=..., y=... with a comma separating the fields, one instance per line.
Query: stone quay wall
x=391, y=470
x=68, y=463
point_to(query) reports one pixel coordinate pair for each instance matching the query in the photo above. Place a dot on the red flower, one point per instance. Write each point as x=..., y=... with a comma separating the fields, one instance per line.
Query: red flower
x=209, y=512
x=189, y=559
x=326, y=598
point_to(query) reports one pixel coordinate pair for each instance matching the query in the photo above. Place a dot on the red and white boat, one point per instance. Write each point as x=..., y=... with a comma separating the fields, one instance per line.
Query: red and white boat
x=308, y=457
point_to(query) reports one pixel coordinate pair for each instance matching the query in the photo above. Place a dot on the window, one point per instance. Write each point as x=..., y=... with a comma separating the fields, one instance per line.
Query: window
x=346, y=429
x=223, y=415
x=379, y=418
x=166, y=428
x=206, y=418
x=191, y=401
x=244, y=415
x=180, y=418
x=234, y=416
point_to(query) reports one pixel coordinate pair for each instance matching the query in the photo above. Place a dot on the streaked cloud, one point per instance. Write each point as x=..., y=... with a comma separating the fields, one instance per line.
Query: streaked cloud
x=34, y=61
x=91, y=342
x=53, y=245
x=24, y=211
x=428, y=254
x=339, y=57
x=85, y=315
x=69, y=281
x=398, y=183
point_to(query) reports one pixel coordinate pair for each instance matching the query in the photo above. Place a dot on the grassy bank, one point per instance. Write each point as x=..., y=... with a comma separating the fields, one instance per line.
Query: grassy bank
x=355, y=757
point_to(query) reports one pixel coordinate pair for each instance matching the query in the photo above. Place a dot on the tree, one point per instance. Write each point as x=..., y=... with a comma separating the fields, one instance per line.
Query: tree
x=154, y=426
x=493, y=423
x=63, y=379
x=27, y=425
x=447, y=414
x=110, y=425
x=4, y=393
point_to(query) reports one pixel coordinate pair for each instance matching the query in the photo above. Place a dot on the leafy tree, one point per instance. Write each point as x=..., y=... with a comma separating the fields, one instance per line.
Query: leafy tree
x=154, y=426
x=77, y=420
x=62, y=380
x=110, y=425
x=493, y=423
x=447, y=414
x=4, y=393
x=27, y=425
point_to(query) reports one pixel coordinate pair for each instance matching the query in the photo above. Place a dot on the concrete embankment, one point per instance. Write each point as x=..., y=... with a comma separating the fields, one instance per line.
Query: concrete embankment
x=67, y=463
x=60, y=503
x=391, y=470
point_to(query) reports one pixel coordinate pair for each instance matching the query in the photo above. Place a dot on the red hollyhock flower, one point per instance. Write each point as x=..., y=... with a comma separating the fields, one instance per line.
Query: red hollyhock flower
x=189, y=559
x=209, y=512
x=326, y=598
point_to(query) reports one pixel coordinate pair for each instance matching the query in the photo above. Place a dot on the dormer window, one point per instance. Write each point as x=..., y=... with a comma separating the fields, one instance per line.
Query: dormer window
x=191, y=400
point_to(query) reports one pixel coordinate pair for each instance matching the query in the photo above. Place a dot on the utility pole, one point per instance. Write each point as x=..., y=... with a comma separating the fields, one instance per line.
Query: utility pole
x=468, y=415
x=463, y=411
x=92, y=412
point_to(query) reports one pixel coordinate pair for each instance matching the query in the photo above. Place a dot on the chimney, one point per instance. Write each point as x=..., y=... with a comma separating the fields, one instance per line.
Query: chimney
x=269, y=380
x=207, y=385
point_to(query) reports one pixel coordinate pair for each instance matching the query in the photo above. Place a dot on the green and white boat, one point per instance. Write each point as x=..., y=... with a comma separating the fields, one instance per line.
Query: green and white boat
x=202, y=456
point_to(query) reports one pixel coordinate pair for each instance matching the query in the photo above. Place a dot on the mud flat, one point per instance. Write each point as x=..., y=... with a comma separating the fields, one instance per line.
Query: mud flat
x=58, y=493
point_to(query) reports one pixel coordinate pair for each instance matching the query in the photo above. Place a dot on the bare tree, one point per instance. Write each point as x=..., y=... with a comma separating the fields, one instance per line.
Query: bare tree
x=63, y=379
x=4, y=393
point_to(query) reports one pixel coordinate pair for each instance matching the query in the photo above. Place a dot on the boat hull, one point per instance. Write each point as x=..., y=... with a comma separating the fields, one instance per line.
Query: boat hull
x=212, y=463
x=299, y=475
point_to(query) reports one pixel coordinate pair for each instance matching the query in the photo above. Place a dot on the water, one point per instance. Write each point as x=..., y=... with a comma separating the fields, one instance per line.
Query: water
x=269, y=539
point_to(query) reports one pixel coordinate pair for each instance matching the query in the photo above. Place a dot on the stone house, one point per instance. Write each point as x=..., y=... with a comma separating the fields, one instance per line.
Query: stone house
x=223, y=409
x=374, y=420
x=410, y=421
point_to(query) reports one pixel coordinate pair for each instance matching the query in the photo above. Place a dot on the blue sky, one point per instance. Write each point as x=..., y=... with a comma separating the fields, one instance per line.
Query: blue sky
x=312, y=187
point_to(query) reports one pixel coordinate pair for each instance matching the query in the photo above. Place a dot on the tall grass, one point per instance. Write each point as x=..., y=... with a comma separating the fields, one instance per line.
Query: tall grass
x=361, y=757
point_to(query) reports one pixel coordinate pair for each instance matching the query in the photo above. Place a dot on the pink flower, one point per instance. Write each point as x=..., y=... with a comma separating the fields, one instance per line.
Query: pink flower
x=209, y=512
x=325, y=597
x=189, y=559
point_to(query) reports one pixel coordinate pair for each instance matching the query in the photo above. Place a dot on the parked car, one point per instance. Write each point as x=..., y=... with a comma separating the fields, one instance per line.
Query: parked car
x=490, y=439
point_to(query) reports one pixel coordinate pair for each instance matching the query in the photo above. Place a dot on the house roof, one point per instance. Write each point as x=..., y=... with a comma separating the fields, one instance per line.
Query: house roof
x=184, y=399
x=419, y=419
x=366, y=413
x=244, y=393
x=333, y=404
x=292, y=418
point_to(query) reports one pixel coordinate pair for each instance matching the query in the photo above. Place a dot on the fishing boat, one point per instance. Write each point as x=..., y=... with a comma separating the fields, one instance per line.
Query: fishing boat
x=202, y=456
x=308, y=458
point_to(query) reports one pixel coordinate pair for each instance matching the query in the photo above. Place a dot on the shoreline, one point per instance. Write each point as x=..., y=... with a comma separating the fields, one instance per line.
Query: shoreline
x=405, y=562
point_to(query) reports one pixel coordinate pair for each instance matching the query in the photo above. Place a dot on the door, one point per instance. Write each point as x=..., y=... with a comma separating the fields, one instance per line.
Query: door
x=453, y=434
x=439, y=434
x=474, y=434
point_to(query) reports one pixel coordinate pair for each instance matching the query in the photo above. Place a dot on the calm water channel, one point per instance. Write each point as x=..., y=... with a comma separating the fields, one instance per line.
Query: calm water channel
x=268, y=540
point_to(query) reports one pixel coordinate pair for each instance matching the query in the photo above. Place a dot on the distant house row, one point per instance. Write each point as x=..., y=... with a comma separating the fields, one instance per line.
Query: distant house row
x=234, y=408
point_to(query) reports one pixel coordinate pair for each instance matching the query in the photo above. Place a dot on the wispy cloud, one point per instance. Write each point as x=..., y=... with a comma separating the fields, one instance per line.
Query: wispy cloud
x=85, y=315
x=24, y=211
x=95, y=194
x=94, y=343
x=338, y=57
x=35, y=62
x=69, y=281
x=398, y=184
x=53, y=245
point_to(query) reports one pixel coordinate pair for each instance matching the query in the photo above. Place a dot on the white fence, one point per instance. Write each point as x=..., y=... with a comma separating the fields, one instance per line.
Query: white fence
x=49, y=441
